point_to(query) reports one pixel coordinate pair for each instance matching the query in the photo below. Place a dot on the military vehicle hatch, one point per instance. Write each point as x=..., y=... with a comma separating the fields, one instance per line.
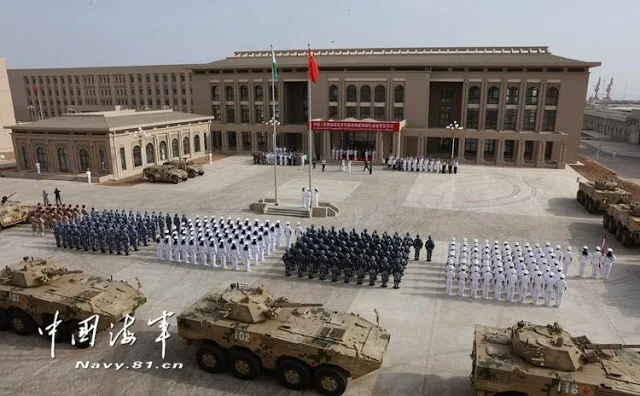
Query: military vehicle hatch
x=248, y=330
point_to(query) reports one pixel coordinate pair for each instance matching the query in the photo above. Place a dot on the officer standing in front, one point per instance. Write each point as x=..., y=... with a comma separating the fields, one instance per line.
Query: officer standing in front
x=429, y=245
x=417, y=247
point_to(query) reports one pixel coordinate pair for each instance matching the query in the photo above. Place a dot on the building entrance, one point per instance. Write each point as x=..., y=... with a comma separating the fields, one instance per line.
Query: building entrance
x=359, y=141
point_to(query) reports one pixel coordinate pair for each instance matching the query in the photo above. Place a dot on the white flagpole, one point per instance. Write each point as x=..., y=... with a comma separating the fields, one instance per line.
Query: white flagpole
x=273, y=120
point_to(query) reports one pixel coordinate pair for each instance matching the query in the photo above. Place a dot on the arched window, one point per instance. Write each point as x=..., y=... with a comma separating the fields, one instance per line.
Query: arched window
x=333, y=93
x=379, y=94
x=150, y=153
x=493, y=95
x=398, y=94
x=206, y=141
x=137, y=156
x=532, y=96
x=186, y=148
x=85, y=160
x=259, y=93
x=244, y=93
x=512, y=95
x=25, y=157
x=41, y=157
x=365, y=93
x=474, y=95
x=163, y=150
x=552, y=97
x=175, y=148
x=352, y=93
x=215, y=93
x=229, y=93
x=103, y=161
x=63, y=160
x=196, y=144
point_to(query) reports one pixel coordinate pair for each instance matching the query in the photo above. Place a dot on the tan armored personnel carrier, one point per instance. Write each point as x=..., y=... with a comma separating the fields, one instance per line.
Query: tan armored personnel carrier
x=534, y=360
x=32, y=290
x=595, y=196
x=188, y=166
x=13, y=212
x=247, y=330
x=155, y=173
x=624, y=221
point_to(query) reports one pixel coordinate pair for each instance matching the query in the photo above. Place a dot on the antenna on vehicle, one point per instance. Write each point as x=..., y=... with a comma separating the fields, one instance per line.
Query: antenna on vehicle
x=377, y=317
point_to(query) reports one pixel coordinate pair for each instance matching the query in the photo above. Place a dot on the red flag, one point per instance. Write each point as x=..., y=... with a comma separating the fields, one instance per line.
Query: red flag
x=313, y=68
x=604, y=243
x=36, y=88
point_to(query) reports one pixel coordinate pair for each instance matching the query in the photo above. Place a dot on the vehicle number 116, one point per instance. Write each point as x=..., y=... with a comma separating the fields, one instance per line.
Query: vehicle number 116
x=568, y=388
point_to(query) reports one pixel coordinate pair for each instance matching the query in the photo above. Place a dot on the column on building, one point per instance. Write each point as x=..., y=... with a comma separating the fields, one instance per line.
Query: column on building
x=502, y=104
x=540, y=152
x=519, y=160
x=254, y=141
x=225, y=140
x=326, y=145
x=500, y=151
x=522, y=98
x=482, y=109
x=421, y=146
x=461, y=148
x=541, y=97
x=465, y=103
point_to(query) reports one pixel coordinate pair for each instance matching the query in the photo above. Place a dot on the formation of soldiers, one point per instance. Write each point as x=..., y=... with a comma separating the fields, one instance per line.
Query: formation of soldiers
x=282, y=156
x=421, y=164
x=107, y=231
x=47, y=216
x=517, y=273
x=348, y=255
x=352, y=154
x=600, y=263
x=214, y=243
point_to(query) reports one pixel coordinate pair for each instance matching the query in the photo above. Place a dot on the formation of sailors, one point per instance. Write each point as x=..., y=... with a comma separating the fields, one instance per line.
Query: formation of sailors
x=283, y=157
x=347, y=154
x=421, y=164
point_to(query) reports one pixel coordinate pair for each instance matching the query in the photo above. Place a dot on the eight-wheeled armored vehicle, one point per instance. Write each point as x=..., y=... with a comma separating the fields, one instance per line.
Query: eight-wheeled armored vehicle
x=596, y=196
x=624, y=221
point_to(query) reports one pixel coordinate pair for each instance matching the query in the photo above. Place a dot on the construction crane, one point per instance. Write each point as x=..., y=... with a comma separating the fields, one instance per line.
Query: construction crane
x=607, y=98
x=595, y=91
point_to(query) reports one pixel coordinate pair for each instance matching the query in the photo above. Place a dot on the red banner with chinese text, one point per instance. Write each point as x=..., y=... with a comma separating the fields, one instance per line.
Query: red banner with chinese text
x=356, y=126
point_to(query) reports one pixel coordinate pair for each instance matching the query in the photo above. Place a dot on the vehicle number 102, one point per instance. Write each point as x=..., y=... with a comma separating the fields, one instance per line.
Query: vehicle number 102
x=241, y=336
x=568, y=388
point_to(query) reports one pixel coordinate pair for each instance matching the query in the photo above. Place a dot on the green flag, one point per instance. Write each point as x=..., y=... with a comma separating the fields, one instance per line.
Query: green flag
x=274, y=66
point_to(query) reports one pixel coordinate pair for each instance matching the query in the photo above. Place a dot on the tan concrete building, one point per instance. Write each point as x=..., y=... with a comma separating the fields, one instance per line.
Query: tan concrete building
x=112, y=144
x=44, y=93
x=620, y=122
x=517, y=105
x=6, y=112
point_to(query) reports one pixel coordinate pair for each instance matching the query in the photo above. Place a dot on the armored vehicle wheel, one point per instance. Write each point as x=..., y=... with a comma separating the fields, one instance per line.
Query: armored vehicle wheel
x=21, y=323
x=619, y=233
x=175, y=180
x=151, y=178
x=192, y=174
x=330, y=381
x=185, y=179
x=244, y=365
x=590, y=205
x=73, y=330
x=294, y=374
x=200, y=173
x=582, y=198
x=579, y=196
x=211, y=358
x=612, y=226
x=4, y=320
x=605, y=221
x=625, y=238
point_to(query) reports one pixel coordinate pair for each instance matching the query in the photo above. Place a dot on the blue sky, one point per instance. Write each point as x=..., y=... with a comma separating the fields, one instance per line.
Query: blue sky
x=45, y=33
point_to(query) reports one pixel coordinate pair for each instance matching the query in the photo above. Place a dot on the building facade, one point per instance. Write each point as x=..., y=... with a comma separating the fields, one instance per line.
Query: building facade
x=520, y=106
x=44, y=93
x=620, y=122
x=111, y=144
x=6, y=112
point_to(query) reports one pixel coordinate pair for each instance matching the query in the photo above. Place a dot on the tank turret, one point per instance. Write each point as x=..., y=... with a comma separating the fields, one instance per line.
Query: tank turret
x=34, y=272
x=606, y=185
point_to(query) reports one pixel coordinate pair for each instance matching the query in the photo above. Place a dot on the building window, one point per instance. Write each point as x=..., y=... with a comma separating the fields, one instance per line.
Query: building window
x=512, y=95
x=333, y=112
x=549, y=120
x=379, y=94
x=262, y=142
x=552, y=97
x=470, y=147
x=205, y=138
x=103, y=161
x=150, y=153
x=244, y=93
x=217, y=112
x=398, y=94
x=163, y=150
x=63, y=160
x=229, y=93
x=333, y=93
x=85, y=160
x=398, y=113
x=529, y=120
x=231, y=114
x=196, y=144
x=446, y=100
x=215, y=93
x=493, y=95
x=244, y=114
x=489, y=148
x=379, y=113
x=259, y=93
x=532, y=96
x=472, y=119
x=474, y=95
x=123, y=158
x=137, y=156
x=186, y=147
x=246, y=141
x=41, y=157
x=365, y=112
x=510, y=116
x=233, y=144
x=259, y=112
x=548, y=149
x=352, y=93
x=175, y=148
x=352, y=112
x=491, y=119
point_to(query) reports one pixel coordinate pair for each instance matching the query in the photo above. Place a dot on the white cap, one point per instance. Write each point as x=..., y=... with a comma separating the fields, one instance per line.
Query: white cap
x=598, y=248
x=585, y=247
x=557, y=247
x=569, y=248
x=298, y=223
x=548, y=243
x=609, y=250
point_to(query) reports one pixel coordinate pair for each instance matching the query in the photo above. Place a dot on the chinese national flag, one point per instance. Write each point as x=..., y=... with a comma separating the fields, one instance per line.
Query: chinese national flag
x=313, y=68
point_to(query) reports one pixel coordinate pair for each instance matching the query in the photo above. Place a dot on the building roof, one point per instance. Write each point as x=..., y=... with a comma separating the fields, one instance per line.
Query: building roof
x=403, y=57
x=111, y=121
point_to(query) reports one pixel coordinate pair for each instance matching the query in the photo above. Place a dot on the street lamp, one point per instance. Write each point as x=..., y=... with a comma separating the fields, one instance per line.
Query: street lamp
x=273, y=122
x=454, y=127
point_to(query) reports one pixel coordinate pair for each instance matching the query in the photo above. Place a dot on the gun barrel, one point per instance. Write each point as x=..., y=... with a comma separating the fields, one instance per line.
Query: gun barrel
x=612, y=346
x=292, y=305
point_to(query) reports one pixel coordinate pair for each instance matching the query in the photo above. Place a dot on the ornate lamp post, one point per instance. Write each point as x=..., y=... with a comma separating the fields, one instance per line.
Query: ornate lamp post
x=454, y=128
x=274, y=123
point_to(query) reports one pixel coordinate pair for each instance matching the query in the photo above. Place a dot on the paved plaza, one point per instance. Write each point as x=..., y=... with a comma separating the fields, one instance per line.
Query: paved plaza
x=431, y=334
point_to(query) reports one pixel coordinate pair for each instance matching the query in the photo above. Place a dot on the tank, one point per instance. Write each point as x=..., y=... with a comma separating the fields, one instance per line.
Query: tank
x=164, y=173
x=596, y=196
x=623, y=220
x=32, y=290
x=13, y=212
x=248, y=331
x=188, y=166
x=536, y=360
